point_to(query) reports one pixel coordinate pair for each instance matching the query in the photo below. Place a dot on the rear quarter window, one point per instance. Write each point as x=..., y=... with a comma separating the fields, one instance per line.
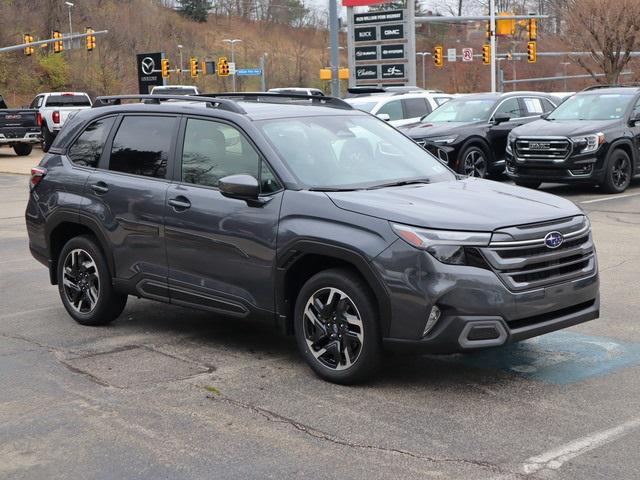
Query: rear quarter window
x=87, y=148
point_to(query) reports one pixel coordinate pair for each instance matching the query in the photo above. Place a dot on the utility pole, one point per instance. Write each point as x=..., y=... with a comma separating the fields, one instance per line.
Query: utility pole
x=424, y=70
x=181, y=64
x=335, y=58
x=492, y=42
x=232, y=42
x=263, y=77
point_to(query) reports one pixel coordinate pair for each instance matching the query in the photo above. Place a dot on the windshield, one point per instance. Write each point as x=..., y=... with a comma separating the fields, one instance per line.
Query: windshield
x=364, y=106
x=345, y=152
x=174, y=91
x=462, y=111
x=589, y=106
x=68, y=101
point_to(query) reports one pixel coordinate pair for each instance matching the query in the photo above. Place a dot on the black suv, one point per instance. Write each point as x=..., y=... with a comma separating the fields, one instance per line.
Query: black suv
x=321, y=219
x=469, y=133
x=592, y=137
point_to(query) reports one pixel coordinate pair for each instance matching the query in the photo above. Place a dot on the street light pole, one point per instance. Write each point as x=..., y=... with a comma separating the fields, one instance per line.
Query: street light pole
x=492, y=42
x=181, y=64
x=564, y=72
x=263, y=66
x=232, y=42
x=70, y=6
x=335, y=60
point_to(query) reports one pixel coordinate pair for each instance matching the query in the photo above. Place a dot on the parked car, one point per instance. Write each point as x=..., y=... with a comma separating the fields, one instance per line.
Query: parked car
x=399, y=108
x=592, y=137
x=469, y=133
x=175, y=90
x=54, y=108
x=18, y=128
x=318, y=218
x=316, y=92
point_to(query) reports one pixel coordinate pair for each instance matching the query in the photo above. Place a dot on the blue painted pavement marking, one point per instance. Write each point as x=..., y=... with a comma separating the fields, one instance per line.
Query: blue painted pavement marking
x=559, y=357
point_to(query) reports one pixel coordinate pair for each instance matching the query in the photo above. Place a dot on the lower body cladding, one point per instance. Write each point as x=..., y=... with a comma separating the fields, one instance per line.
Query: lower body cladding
x=474, y=309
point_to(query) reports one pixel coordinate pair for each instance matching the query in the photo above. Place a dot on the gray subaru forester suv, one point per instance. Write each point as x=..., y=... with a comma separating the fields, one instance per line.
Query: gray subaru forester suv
x=301, y=211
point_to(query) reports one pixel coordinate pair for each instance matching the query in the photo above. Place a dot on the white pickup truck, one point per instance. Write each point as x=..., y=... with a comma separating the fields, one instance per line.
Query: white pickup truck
x=54, y=108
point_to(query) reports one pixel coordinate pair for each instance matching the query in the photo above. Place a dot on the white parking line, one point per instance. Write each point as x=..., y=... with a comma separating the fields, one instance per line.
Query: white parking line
x=554, y=459
x=613, y=197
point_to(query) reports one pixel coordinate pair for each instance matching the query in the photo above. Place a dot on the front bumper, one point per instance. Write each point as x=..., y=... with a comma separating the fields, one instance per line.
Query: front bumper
x=478, y=310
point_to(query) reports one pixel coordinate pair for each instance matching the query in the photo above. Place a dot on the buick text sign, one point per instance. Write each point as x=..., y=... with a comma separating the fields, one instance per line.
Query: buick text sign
x=392, y=16
x=391, y=32
x=394, y=70
x=149, y=74
x=367, y=72
x=367, y=53
x=365, y=34
x=391, y=51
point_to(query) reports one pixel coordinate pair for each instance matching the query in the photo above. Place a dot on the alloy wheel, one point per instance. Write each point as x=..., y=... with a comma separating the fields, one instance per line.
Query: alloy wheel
x=333, y=328
x=620, y=172
x=80, y=281
x=475, y=164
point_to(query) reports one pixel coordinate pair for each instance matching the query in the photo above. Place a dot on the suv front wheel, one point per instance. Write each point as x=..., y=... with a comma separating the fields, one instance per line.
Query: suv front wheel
x=84, y=283
x=336, y=326
x=618, y=175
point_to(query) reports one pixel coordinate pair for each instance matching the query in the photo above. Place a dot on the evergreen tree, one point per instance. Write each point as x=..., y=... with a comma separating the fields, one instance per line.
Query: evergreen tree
x=197, y=10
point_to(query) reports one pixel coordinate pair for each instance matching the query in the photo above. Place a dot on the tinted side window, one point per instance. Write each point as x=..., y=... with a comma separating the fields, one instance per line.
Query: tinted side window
x=416, y=107
x=214, y=150
x=393, y=109
x=87, y=149
x=510, y=107
x=142, y=145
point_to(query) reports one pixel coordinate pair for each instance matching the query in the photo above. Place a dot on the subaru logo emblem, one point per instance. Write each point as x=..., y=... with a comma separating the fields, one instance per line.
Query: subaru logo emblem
x=553, y=239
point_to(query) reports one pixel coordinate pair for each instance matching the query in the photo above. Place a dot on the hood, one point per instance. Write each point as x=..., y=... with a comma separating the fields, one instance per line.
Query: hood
x=469, y=204
x=563, y=128
x=435, y=129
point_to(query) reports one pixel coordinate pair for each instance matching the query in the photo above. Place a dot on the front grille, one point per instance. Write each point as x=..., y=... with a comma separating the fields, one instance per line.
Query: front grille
x=543, y=148
x=523, y=261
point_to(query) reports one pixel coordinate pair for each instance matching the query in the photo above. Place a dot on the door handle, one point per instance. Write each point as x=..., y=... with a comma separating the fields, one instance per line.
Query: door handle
x=100, y=188
x=180, y=203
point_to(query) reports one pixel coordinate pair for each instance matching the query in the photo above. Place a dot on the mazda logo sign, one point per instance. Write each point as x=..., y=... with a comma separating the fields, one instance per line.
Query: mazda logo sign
x=148, y=65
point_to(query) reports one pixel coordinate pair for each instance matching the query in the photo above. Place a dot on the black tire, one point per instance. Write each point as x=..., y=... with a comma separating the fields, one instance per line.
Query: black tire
x=528, y=184
x=473, y=161
x=359, y=354
x=618, y=172
x=47, y=139
x=92, y=301
x=22, y=149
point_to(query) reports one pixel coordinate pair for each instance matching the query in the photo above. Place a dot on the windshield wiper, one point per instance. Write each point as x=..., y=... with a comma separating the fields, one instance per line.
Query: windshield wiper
x=332, y=189
x=400, y=183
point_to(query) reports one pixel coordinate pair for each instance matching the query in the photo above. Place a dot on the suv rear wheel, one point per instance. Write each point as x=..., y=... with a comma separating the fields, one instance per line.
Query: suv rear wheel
x=618, y=175
x=473, y=162
x=84, y=283
x=47, y=139
x=336, y=326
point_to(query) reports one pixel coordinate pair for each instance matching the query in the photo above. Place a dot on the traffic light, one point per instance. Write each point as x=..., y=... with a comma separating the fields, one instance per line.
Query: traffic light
x=438, y=59
x=28, y=50
x=58, y=45
x=488, y=31
x=164, y=67
x=223, y=67
x=533, y=29
x=90, y=39
x=486, y=54
x=193, y=66
x=531, y=52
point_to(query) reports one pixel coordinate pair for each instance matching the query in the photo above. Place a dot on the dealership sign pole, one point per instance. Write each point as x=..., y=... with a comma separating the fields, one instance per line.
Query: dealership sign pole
x=381, y=45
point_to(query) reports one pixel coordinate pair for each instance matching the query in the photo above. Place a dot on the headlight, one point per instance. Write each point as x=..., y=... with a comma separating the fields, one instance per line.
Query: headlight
x=510, y=139
x=443, y=140
x=588, y=143
x=447, y=246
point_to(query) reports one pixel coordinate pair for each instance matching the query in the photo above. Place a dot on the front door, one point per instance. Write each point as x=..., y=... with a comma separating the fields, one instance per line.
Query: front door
x=220, y=250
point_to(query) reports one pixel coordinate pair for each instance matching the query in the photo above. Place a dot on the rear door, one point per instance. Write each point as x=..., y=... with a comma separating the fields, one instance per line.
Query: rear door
x=126, y=199
x=221, y=250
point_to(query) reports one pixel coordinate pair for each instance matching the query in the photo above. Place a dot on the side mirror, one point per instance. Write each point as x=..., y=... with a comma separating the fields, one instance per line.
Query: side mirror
x=634, y=119
x=383, y=116
x=499, y=118
x=239, y=186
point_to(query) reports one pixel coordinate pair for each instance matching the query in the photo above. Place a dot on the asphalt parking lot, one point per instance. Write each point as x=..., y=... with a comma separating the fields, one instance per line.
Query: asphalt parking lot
x=166, y=392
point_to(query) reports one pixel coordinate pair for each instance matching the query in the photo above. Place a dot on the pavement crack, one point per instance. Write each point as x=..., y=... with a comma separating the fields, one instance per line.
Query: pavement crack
x=318, y=434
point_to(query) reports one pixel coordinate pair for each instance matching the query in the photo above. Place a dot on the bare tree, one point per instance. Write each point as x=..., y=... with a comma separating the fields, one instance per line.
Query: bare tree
x=608, y=29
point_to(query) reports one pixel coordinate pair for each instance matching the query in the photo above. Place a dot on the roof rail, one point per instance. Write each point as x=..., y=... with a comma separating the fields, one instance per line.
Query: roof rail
x=277, y=97
x=229, y=105
x=613, y=85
